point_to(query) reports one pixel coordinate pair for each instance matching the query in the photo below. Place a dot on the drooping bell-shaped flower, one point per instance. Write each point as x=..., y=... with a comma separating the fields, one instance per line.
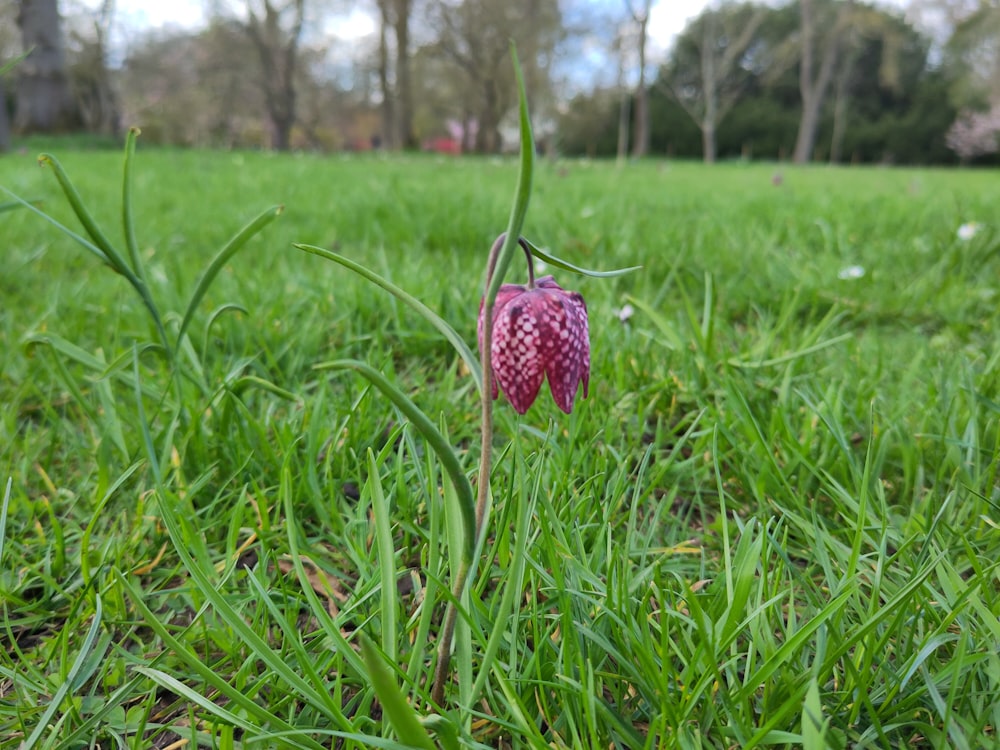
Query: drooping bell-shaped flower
x=538, y=331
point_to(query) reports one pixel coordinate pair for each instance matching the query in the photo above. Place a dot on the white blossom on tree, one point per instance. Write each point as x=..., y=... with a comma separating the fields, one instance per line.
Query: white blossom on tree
x=975, y=133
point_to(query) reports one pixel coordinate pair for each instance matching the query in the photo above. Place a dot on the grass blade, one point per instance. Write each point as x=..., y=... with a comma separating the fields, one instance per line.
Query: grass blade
x=232, y=247
x=330, y=628
x=206, y=673
x=76, y=674
x=431, y=434
x=386, y=557
x=115, y=259
x=128, y=219
x=402, y=716
x=3, y=516
x=471, y=360
x=274, y=660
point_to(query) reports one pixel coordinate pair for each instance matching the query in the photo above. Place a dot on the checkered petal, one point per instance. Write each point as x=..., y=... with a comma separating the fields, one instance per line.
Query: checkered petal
x=538, y=333
x=505, y=294
x=517, y=352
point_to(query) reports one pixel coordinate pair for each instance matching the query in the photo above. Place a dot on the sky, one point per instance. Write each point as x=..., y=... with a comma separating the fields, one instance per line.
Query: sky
x=667, y=18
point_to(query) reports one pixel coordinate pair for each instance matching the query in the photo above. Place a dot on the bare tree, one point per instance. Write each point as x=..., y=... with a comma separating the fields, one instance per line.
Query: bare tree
x=404, y=75
x=623, y=103
x=706, y=77
x=90, y=78
x=814, y=84
x=474, y=35
x=384, y=75
x=275, y=31
x=868, y=24
x=395, y=76
x=640, y=137
x=44, y=100
x=4, y=118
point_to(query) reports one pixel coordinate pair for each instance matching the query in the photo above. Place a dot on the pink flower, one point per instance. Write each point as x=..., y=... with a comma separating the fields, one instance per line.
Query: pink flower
x=538, y=332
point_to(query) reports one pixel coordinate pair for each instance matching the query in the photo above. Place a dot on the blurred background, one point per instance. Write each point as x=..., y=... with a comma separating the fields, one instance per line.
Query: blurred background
x=842, y=81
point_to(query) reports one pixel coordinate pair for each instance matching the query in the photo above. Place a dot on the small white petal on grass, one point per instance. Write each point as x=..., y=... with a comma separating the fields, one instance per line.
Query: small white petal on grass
x=968, y=230
x=625, y=313
x=851, y=272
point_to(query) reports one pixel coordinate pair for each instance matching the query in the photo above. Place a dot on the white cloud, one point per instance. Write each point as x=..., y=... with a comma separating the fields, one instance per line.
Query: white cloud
x=186, y=14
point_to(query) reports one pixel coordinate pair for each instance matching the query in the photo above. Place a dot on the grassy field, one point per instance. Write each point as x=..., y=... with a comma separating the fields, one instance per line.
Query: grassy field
x=774, y=522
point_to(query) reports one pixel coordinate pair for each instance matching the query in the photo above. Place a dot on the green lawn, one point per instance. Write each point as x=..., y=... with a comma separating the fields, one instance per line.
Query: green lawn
x=773, y=523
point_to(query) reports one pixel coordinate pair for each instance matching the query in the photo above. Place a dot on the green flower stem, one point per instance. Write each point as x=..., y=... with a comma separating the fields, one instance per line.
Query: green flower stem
x=523, y=194
x=496, y=267
x=443, y=667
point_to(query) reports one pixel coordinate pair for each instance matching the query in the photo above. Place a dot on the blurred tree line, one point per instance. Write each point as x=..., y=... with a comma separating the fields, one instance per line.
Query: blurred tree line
x=807, y=80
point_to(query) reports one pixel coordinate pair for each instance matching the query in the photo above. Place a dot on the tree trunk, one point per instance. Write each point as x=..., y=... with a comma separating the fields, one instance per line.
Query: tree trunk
x=281, y=131
x=840, y=113
x=814, y=90
x=44, y=100
x=93, y=89
x=708, y=147
x=388, y=95
x=4, y=119
x=488, y=134
x=406, y=138
x=708, y=77
x=278, y=52
x=640, y=147
x=623, y=104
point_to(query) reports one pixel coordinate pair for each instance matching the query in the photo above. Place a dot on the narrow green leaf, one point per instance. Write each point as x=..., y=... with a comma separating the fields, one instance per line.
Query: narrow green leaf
x=101, y=246
x=241, y=384
x=3, y=516
x=77, y=674
x=444, y=730
x=433, y=436
x=262, y=650
x=795, y=642
x=147, y=436
x=215, y=315
x=96, y=517
x=90, y=226
x=330, y=628
x=566, y=266
x=386, y=557
x=522, y=194
x=471, y=360
x=87, y=245
x=740, y=578
x=206, y=673
x=402, y=716
x=234, y=245
x=11, y=205
x=128, y=220
x=813, y=724
x=181, y=690
x=791, y=356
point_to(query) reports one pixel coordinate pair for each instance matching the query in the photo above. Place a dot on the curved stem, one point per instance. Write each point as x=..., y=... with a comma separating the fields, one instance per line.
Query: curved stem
x=531, y=261
x=443, y=666
x=496, y=268
x=441, y=670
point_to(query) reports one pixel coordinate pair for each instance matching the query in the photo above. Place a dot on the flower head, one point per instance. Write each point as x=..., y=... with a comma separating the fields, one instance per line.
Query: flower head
x=539, y=331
